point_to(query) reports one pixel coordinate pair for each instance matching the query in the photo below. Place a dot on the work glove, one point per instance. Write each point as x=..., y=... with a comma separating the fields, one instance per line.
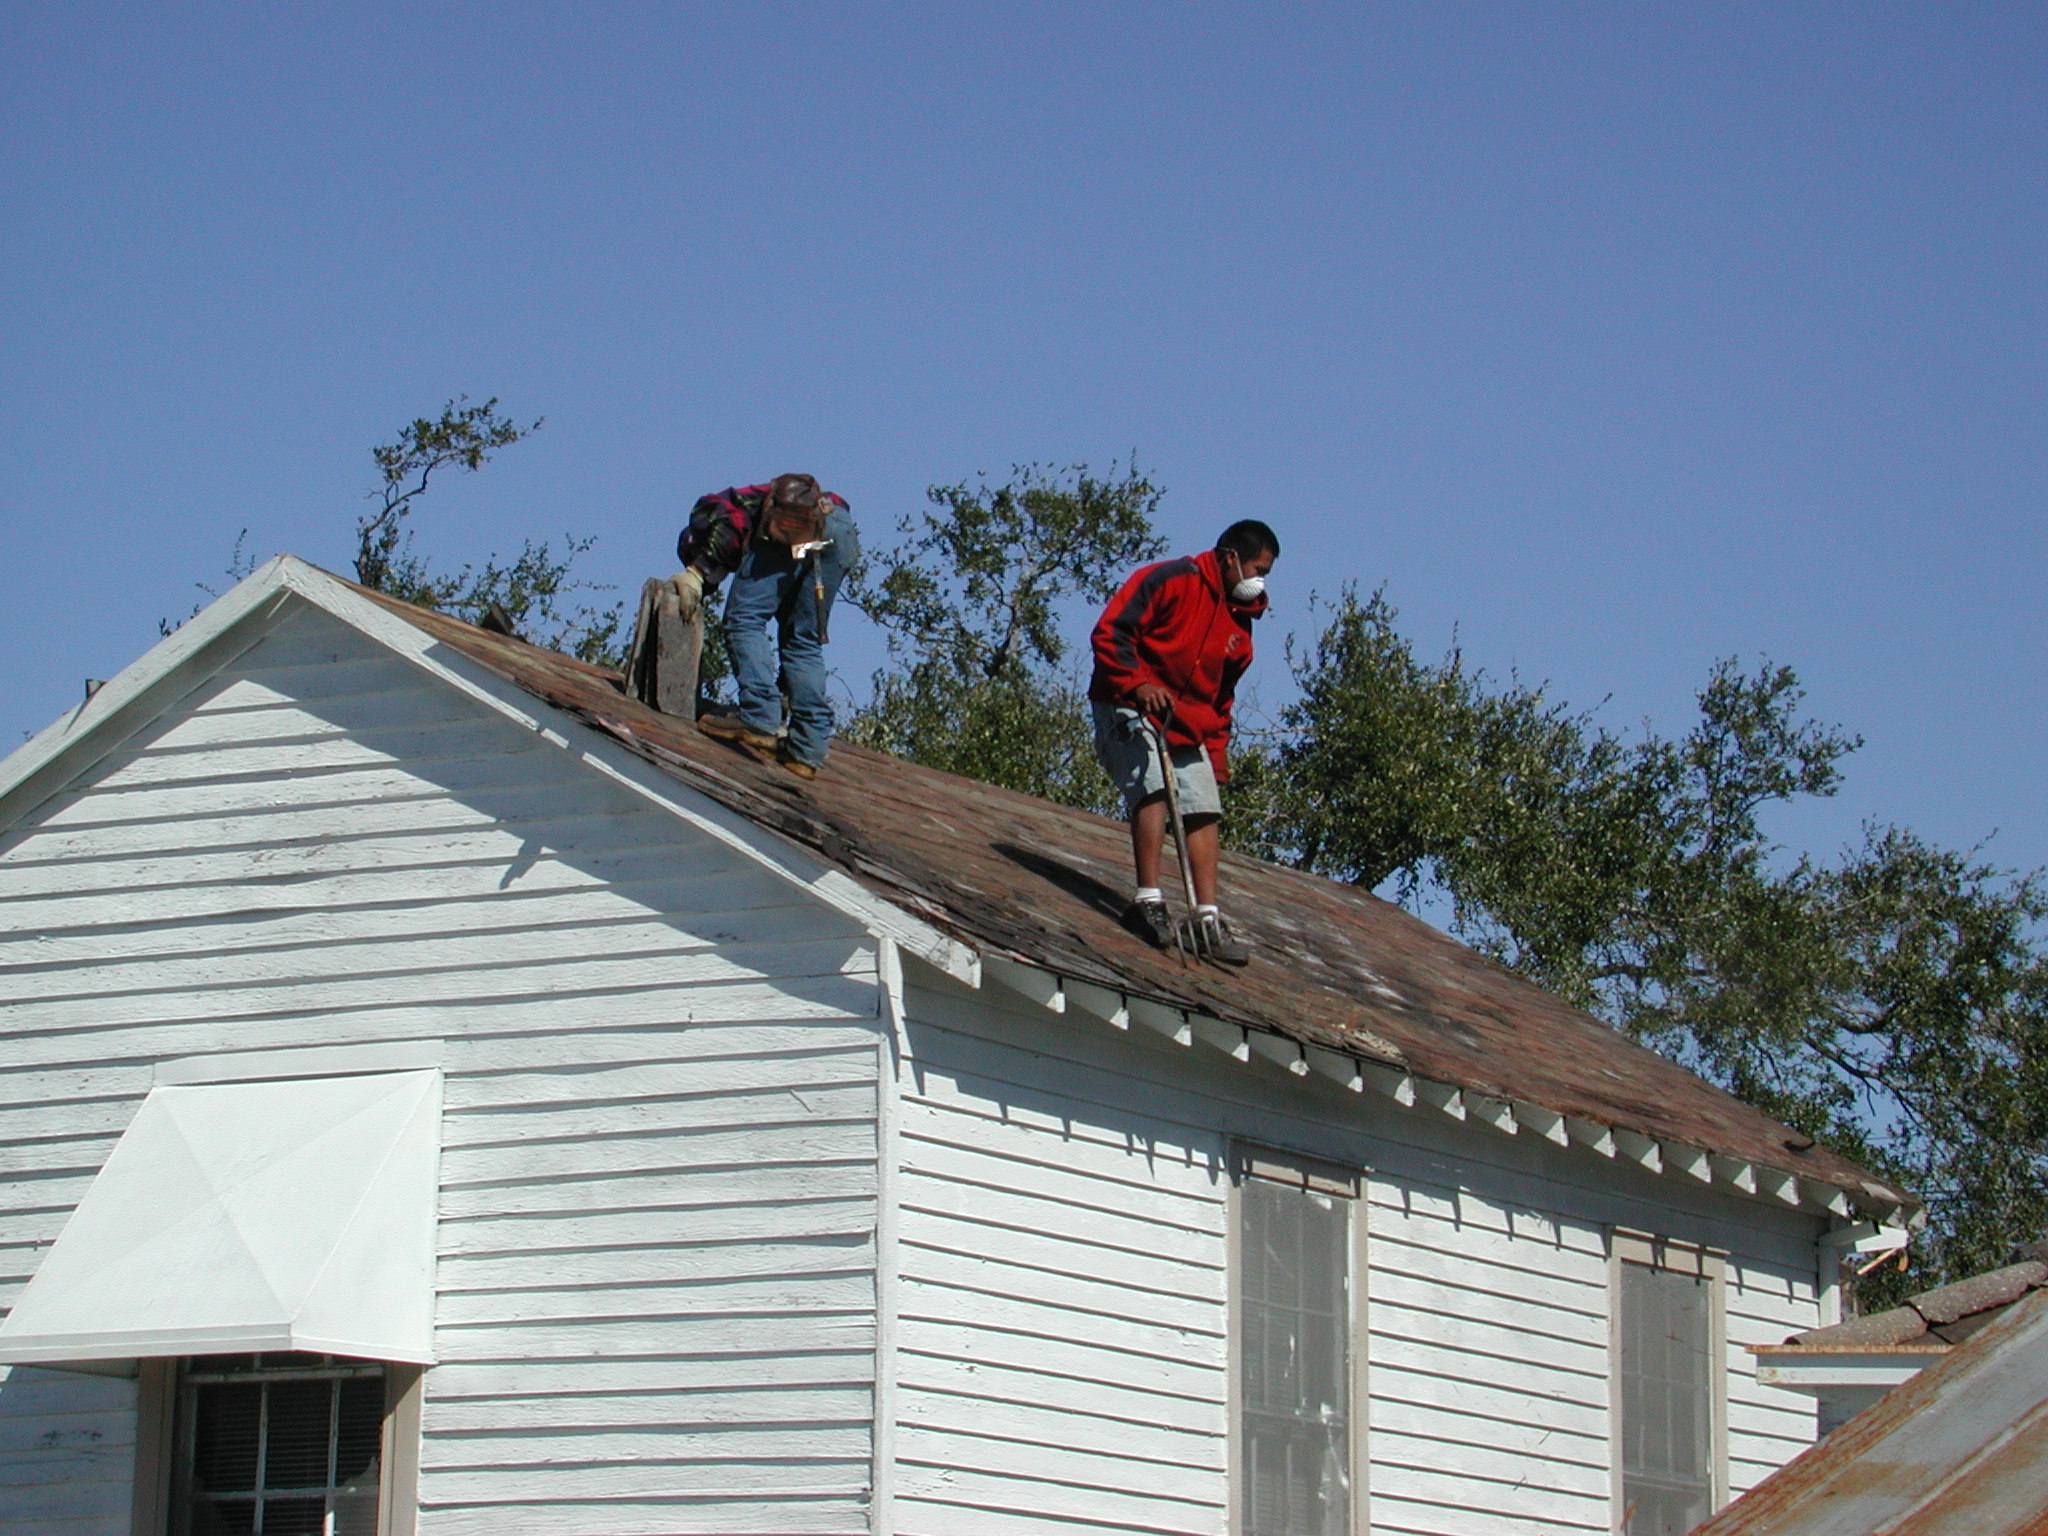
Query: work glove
x=689, y=585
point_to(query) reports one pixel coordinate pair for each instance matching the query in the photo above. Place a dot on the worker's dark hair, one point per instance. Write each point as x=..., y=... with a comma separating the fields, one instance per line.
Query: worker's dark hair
x=1248, y=539
x=800, y=491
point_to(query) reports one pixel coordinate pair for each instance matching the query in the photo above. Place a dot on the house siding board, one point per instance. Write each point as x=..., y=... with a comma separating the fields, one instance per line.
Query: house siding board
x=67, y=1447
x=659, y=1186
x=1060, y=1322
x=1765, y=1303
x=1064, y=1286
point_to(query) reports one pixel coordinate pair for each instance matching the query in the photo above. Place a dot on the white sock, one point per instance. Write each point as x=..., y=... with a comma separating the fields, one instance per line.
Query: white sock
x=1148, y=893
x=1207, y=909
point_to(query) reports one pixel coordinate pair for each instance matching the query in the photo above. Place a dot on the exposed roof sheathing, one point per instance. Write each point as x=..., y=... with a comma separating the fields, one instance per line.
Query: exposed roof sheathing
x=1336, y=968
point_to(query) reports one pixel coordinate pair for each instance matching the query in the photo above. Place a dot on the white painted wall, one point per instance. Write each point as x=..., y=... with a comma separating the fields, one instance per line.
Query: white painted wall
x=656, y=1291
x=1064, y=1288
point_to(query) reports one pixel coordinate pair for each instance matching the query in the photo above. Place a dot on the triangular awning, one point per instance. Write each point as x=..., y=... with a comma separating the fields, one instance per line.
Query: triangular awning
x=244, y=1217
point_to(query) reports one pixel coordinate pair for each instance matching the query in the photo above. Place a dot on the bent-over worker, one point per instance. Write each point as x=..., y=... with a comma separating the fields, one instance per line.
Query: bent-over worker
x=1171, y=646
x=787, y=545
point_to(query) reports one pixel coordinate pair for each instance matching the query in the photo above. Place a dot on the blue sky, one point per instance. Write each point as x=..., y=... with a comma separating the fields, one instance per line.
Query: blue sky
x=1616, y=338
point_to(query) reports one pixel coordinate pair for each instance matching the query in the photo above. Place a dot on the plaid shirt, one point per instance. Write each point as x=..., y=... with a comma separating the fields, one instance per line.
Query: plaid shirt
x=721, y=524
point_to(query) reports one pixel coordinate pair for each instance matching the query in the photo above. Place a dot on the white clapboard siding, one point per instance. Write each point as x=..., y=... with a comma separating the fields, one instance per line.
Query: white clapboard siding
x=1767, y=1426
x=656, y=1288
x=67, y=1447
x=762, y=1512
x=1488, y=1363
x=1060, y=1317
x=1064, y=1293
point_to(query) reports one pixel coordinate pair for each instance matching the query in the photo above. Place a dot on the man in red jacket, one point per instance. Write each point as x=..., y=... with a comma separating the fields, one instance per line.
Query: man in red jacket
x=1171, y=646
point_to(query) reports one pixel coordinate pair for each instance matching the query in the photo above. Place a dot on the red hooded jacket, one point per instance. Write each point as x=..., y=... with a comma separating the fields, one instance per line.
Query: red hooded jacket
x=1171, y=624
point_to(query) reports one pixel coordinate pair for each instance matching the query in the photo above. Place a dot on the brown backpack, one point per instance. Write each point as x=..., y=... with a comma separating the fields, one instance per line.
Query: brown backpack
x=793, y=511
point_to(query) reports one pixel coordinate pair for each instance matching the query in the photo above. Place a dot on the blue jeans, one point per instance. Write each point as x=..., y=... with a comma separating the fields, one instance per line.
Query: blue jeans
x=771, y=588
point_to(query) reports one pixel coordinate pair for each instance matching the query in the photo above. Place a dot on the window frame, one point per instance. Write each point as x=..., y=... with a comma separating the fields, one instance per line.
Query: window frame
x=159, y=1383
x=1628, y=1246
x=1250, y=1160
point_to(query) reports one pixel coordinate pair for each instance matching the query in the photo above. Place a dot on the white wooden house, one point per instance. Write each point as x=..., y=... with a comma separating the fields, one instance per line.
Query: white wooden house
x=439, y=1095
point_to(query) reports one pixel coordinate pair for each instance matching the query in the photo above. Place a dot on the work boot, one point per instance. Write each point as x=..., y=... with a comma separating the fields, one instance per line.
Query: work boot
x=732, y=728
x=1221, y=944
x=1148, y=920
x=796, y=765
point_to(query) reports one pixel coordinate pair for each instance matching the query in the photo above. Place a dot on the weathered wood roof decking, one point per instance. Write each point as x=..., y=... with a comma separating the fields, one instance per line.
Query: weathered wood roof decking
x=1342, y=982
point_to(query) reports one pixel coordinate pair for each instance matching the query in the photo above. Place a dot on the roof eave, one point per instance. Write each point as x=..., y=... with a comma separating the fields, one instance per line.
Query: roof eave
x=1123, y=1007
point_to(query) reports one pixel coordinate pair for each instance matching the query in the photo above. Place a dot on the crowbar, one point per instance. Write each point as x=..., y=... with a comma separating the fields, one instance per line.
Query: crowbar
x=1190, y=933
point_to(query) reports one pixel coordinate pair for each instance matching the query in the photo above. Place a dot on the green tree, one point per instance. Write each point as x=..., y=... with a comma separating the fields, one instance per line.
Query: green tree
x=1891, y=1003
x=529, y=591
x=1895, y=1005
x=973, y=599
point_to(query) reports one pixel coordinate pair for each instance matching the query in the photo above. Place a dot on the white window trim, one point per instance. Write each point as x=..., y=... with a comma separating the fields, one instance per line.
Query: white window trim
x=1249, y=1160
x=1631, y=1247
x=156, y=1401
x=398, y=1503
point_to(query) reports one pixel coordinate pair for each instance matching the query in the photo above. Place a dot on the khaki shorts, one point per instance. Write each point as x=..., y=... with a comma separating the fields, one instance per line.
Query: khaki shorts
x=1130, y=756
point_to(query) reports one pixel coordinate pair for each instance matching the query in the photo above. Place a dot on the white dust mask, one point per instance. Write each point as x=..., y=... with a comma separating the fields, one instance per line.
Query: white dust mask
x=1250, y=590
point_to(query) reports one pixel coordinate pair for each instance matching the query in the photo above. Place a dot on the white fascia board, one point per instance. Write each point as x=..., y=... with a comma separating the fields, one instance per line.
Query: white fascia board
x=1170, y=1022
x=1045, y=987
x=1869, y=1237
x=1812, y=1370
x=1483, y=1109
x=142, y=690
x=1639, y=1148
x=1027, y=981
x=1545, y=1123
x=1104, y=1003
x=1230, y=1039
x=1279, y=1050
x=1048, y=989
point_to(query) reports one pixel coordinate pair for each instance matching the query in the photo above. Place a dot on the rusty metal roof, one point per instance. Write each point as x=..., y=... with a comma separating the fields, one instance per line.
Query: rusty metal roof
x=1959, y=1450
x=1335, y=966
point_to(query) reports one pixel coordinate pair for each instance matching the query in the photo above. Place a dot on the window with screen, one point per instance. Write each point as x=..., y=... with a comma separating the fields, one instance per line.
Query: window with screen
x=1667, y=1385
x=278, y=1445
x=1294, y=1327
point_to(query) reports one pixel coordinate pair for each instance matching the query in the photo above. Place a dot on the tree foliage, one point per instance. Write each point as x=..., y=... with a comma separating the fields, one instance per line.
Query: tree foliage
x=974, y=599
x=1890, y=1003
x=1895, y=1005
x=531, y=590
